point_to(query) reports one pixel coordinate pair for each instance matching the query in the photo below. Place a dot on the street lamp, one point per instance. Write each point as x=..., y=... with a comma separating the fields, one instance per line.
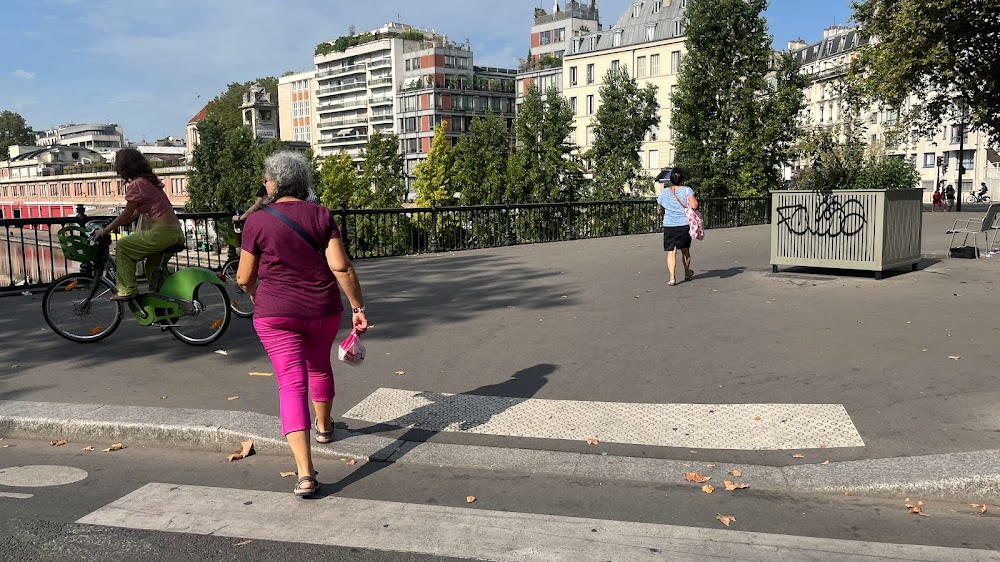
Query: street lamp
x=963, y=111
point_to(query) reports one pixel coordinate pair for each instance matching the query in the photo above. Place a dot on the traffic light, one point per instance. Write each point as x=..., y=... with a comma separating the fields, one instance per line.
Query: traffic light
x=940, y=161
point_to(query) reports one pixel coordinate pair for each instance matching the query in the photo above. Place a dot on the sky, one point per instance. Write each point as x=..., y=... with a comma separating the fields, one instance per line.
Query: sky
x=150, y=65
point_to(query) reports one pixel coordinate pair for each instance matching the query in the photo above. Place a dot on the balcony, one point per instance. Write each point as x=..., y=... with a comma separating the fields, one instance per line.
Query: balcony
x=360, y=85
x=387, y=81
x=341, y=70
x=960, y=140
x=379, y=63
x=382, y=118
x=349, y=139
x=331, y=123
x=335, y=106
x=386, y=100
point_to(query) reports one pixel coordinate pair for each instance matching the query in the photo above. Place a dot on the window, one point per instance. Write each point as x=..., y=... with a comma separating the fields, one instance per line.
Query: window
x=640, y=67
x=636, y=9
x=675, y=62
x=654, y=65
x=678, y=27
x=590, y=135
x=874, y=139
x=572, y=104
x=593, y=42
x=618, y=39
x=615, y=65
x=650, y=32
x=590, y=105
x=590, y=74
x=956, y=134
x=657, y=6
x=654, y=159
x=545, y=37
x=408, y=63
x=684, y=3
x=572, y=76
x=560, y=35
x=654, y=133
x=969, y=160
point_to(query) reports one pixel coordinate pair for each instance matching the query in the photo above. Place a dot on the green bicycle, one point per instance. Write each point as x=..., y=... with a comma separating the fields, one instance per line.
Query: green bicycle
x=191, y=303
x=240, y=302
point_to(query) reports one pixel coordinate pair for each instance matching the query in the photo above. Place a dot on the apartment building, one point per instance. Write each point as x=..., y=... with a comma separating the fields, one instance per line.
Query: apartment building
x=296, y=117
x=647, y=40
x=551, y=37
x=94, y=136
x=826, y=63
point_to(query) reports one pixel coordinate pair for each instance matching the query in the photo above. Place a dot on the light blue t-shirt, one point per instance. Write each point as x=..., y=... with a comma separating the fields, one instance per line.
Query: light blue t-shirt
x=673, y=214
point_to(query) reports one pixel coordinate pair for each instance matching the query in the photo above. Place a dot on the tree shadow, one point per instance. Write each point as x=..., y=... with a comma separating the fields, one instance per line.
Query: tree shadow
x=446, y=411
x=720, y=273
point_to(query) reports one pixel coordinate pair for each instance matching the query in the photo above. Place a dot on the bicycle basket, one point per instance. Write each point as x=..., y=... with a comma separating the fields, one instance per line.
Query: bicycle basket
x=76, y=244
x=226, y=230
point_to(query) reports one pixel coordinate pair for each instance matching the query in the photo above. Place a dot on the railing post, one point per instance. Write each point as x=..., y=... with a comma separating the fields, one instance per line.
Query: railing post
x=570, y=227
x=621, y=217
x=508, y=239
x=345, y=236
x=434, y=236
x=739, y=222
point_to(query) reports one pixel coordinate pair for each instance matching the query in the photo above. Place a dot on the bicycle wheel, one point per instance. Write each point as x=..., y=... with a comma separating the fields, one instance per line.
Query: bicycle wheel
x=70, y=314
x=209, y=320
x=972, y=199
x=239, y=301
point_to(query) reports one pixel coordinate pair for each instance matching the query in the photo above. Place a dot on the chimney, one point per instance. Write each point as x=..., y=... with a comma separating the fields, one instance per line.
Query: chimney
x=797, y=45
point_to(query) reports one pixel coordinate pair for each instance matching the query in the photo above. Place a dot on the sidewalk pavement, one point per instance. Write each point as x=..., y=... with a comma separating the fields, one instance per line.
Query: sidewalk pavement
x=597, y=318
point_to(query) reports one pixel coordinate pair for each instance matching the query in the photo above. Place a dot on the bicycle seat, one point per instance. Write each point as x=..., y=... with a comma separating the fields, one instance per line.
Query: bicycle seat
x=175, y=249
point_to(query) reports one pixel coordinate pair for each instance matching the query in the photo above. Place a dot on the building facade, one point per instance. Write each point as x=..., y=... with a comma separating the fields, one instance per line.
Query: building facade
x=296, y=120
x=95, y=136
x=648, y=41
x=551, y=37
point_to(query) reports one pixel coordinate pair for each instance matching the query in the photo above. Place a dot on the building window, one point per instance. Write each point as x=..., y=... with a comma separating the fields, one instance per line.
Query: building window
x=678, y=28
x=572, y=76
x=618, y=38
x=675, y=62
x=590, y=105
x=615, y=65
x=590, y=135
x=636, y=9
x=657, y=6
x=560, y=35
x=650, y=32
x=654, y=133
x=654, y=65
x=544, y=38
x=572, y=104
x=969, y=160
x=640, y=67
x=654, y=159
x=684, y=3
x=590, y=74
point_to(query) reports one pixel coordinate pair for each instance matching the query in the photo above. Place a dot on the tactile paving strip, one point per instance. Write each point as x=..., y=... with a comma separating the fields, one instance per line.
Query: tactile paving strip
x=751, y=427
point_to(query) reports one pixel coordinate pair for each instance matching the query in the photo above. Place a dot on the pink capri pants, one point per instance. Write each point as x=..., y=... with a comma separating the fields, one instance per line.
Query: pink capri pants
x=300, y=350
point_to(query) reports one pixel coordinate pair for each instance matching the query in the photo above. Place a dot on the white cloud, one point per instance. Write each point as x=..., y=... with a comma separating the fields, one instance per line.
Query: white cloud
x=23, y=74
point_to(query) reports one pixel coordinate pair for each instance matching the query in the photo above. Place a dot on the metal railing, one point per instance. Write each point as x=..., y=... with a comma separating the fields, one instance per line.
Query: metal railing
x=33, y=257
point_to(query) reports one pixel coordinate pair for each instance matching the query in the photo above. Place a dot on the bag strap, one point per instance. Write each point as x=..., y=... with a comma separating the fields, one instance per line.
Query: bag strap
x=294, y=226
x=683, y=206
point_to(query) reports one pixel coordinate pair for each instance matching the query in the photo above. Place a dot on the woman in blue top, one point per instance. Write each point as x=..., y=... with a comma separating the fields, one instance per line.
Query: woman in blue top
x=676, y=229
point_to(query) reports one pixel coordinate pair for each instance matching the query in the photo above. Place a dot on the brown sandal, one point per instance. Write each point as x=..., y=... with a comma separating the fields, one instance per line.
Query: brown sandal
x=324, y=437
x=306, y=492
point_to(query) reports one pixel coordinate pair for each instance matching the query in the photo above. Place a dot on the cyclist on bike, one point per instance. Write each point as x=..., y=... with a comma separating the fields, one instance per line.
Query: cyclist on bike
x=144, y=196
x=983, y=190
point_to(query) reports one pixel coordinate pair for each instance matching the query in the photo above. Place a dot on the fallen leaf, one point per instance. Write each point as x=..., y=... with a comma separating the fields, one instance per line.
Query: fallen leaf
x=592, y=441
x=695, y=477
x=231, y=398
x=847, y=493
x=736, y=472
x=351, y=462
x=725, y=519
x=980, y=506
x=88, y=448
x=955, y=357
x=916, y=509
x=798, y=456
x=730, y=486
x=708, y=488
x=163, y=398
x=222, y=352
x=400, y=373
x=60, y=442
x=825, y=462
x=924, y=350
x=824, y=446
x=255, y=374
x=286, y=474
x=757, y=418
x=243, y=543
x=710, y=465
x=470, y=499
x=115, y=447
x=245, y=451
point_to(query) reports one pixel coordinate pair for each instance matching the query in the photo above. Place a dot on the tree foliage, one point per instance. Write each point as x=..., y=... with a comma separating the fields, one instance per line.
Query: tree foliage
x=538, y=165
x=339, y=182
x=626, y=114
x=734, y=126
x=382, y=172
x=939, y=51
x=13, y=130
x=435, y=179
x=848, y=163
x=226, y=106
x=481, y=161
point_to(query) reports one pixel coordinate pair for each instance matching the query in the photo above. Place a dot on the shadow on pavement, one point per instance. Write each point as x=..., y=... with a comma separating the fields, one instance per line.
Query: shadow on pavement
x=720, y=273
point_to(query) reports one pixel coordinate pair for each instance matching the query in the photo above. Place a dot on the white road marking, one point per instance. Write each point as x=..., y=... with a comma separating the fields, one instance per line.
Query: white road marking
x=471, y=533
x=40, y=476
x=707, y=426
x=15, y=495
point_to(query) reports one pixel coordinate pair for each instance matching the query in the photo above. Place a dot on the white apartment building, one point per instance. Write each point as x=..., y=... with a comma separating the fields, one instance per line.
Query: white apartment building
x=296, y=116
x=104, y=138
x=649, y=41
x=551, y=37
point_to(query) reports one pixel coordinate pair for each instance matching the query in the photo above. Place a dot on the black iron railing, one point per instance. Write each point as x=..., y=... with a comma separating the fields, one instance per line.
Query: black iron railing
x=33, y=258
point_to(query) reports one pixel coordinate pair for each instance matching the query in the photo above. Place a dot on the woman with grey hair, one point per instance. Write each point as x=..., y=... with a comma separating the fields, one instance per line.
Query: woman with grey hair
x=291, y=266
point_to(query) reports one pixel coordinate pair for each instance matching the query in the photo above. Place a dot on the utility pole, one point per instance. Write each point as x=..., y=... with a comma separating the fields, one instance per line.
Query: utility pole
x=963, y=108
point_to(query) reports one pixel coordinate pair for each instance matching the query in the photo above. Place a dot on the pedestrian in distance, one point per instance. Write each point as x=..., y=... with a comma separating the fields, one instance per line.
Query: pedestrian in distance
x=293, y=262
x=676, y=228
x=144, y=197
x=950, y=195
x=936, y=203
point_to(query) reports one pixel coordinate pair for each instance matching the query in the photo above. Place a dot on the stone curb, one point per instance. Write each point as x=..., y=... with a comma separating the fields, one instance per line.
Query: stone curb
x=965, y=477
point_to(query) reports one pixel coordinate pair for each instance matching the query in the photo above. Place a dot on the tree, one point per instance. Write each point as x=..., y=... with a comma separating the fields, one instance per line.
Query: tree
x=733, y=128
x=435, y=175
x=625, y=116
x=939, y=51
x=339, y=182
x=13, y=130
x=382, y=172
x=241, y=167
x=481, y=161
x=226, y=106
x=206, y=172
x=538, y=166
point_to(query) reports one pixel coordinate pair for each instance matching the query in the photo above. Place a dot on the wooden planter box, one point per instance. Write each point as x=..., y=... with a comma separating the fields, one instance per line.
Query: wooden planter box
x=868, y=230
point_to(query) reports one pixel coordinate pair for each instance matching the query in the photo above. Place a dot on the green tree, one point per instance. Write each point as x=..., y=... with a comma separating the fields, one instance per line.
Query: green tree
x=625, y=116
x=241, y=167
x=339, y=181
x=382, y=172
x=557, y=123
x=929, y=47
x=435, y=175
x=733, y=128
x=206, y=170
x=538, y=165
x=226, y=106
x=481, y=161
x=13, y=130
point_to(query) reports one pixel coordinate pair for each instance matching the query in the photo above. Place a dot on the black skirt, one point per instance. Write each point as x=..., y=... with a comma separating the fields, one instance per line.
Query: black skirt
x=676, y=238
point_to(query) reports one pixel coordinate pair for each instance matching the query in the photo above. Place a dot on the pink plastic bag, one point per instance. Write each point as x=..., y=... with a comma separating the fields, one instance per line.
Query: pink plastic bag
x=351, y=350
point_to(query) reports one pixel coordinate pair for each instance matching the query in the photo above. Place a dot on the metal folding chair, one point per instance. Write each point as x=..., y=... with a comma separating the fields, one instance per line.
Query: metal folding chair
x=985, y=226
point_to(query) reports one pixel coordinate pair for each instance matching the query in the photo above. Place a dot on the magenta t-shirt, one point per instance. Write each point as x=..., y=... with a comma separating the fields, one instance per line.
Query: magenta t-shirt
x=295, y=280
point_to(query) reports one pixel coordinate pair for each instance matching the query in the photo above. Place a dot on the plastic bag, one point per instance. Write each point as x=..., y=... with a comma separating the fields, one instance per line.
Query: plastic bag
x=351, y=350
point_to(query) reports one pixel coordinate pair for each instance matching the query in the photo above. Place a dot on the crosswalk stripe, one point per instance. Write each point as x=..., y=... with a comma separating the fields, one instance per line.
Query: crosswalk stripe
x=706, y=426
x=469, y=533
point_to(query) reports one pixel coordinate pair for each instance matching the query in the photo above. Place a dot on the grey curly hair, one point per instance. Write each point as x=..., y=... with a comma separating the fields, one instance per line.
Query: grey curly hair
x=292, y=175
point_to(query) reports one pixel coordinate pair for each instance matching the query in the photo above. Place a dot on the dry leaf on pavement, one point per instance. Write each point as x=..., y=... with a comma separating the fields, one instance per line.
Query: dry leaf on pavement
x=222, y=352
x=695, y=477
x=917, y=509
x=115, y=447
x=351, y=462
x=824, y=446
x=954, y=357
x=758, y=418
x=231, y=398
x=725, y=519
x=243, y=543
x=736, y=472
x=730, y=486
x=88, y=448
x=286, y=474
x=470, y=499
x=400, y=373
x=825, y=462
x=710, y=465
x=245, y=451
x=256, y=374
x=708, y=488
x=980, y=506
x=60, y=442
x=592, y=441
x=798, y=456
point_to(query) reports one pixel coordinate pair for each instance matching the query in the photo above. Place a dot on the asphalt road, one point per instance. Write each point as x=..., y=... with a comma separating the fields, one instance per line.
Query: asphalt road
x=597, y=318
